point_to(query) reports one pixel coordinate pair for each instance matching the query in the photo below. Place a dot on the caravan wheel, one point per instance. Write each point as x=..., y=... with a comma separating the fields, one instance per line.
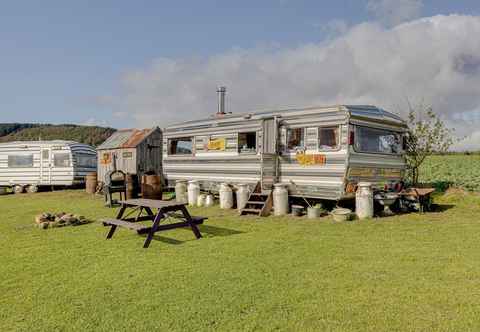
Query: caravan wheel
x=33, y=188
x=17, y=189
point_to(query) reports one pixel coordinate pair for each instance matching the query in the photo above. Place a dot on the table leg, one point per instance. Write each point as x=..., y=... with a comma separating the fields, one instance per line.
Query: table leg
x=156, y=222
x=114, y=227
x=188, y=219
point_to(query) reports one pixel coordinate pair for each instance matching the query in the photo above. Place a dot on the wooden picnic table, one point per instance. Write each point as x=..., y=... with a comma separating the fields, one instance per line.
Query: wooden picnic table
x=164, y=210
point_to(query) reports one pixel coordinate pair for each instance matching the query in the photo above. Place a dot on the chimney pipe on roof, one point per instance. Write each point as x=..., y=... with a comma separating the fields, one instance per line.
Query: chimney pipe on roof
x=221, y=91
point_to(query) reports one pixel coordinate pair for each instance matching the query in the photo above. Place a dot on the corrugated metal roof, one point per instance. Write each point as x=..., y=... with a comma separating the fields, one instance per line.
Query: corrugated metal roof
x=125, y=138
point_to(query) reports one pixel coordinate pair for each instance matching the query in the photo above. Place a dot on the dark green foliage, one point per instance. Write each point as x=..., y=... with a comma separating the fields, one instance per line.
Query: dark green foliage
x=92, y=135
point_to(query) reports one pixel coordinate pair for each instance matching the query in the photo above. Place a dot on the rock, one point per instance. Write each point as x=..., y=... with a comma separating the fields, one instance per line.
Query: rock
x=61, y=214
x=40, y=218
x=44, y=225
x=54, y=224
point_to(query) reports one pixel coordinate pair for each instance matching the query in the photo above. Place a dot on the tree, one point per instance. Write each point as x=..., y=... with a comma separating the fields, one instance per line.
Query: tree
x=426, y=135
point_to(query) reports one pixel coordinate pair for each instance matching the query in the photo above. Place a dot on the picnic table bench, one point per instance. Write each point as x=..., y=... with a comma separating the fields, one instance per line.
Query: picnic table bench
x=165, y=210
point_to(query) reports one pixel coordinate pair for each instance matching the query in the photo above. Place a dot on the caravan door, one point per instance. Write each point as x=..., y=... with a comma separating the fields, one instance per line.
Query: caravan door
x=269, y=157
x=46, y=166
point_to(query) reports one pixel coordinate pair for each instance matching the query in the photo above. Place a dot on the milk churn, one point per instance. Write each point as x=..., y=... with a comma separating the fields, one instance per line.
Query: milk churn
x=209, y=200
x=364, y=200
x=201, y=200
x=242, y=195
x=181, y=191
x=193, y=192
x=226, y=196
x=280, y=199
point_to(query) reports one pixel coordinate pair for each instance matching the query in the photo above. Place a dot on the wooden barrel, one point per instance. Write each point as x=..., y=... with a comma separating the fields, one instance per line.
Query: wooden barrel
x=132, y=186
x=91, y=182
x=152, y=186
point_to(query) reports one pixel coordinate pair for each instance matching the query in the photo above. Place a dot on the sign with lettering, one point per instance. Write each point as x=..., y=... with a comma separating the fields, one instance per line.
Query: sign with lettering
x=310, y=159
x=217, y=144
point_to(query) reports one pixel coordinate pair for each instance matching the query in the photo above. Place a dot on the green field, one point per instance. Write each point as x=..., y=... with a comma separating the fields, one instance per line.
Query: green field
x=403, y=273
x=462, y=171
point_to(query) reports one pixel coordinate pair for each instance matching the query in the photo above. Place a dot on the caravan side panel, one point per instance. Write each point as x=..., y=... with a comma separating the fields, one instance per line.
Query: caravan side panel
x=211, y=168
x=27, y=174
x=325, y=177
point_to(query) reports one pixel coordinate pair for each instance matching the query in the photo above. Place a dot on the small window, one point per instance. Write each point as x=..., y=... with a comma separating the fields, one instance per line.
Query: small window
x=247, y=142
x=296, y=139
x=328, y=138
x=86, y=160
x=127, y=154
x=180, y=146
x=20, y=160
x=45, y=154
x=377, y=140
x=61, y=159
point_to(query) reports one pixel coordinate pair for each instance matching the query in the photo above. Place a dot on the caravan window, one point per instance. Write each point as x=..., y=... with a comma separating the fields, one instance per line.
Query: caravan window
x=247, y=142
x=61, y=159
x=180, y=146
x=328, y=138
x=86, y=160
x=377, y=140
x=295, y=139
x=25, y=160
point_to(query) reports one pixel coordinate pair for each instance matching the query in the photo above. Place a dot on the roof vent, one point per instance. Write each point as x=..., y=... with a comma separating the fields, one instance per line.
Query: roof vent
x=221, y=91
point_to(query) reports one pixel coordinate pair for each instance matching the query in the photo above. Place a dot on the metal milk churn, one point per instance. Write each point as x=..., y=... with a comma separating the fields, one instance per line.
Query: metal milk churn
x=242, y=195
x=193, y=192
x=364, y=200
x=181, y=191
x=209, y=201
x=226, y=196
x=201, y=200
x=280, y=199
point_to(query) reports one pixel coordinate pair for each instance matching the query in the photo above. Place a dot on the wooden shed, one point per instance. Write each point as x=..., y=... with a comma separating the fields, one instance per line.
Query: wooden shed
x=133, y=151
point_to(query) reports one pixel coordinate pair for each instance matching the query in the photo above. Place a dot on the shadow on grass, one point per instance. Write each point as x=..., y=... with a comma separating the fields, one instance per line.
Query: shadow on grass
x=218, y=231
x=441, y=207
x=207, y=231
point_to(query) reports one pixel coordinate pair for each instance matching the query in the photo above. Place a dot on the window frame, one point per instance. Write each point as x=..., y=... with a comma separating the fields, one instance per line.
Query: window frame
x=169, y=141
x=55, y=154
x=255, y=151
x=85, y=155
x=356, y=131
x=339, y=141
x=30, y=156
x=294, y=150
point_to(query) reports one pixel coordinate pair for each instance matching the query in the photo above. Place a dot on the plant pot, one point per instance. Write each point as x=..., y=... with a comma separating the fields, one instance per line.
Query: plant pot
x=314, y=212
x=297, y=210
x=341, y=214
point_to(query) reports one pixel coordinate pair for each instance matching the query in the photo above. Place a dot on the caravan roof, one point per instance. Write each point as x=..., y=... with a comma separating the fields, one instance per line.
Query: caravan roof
x=356, y=111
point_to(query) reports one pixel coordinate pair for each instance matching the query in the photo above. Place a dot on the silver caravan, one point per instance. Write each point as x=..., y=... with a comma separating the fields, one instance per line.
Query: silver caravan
x=319, y=152
x=29, y=165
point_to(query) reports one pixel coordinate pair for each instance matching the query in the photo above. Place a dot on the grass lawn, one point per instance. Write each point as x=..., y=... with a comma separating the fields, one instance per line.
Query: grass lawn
x=404, y=273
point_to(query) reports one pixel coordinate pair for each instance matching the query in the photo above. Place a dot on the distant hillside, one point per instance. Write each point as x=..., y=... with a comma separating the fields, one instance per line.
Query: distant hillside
x=28, y=131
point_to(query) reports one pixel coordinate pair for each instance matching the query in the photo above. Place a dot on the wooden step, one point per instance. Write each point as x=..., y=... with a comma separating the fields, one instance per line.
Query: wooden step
x=254, y=211
x=256, y=203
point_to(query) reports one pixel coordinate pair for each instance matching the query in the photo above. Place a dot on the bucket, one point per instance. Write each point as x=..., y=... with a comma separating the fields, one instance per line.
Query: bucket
x=314, y=212
x=181, y=191
x=152, y=187
x=341, y=214
x=297, y=210
x=91, y=183
x=132, y=186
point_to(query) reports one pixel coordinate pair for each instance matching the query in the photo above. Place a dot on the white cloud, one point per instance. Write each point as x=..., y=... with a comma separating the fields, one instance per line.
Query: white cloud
x=436, y=59
x=394, y=12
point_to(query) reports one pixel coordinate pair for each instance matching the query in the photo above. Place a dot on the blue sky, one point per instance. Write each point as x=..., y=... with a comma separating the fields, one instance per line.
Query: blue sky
x=59, y=58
